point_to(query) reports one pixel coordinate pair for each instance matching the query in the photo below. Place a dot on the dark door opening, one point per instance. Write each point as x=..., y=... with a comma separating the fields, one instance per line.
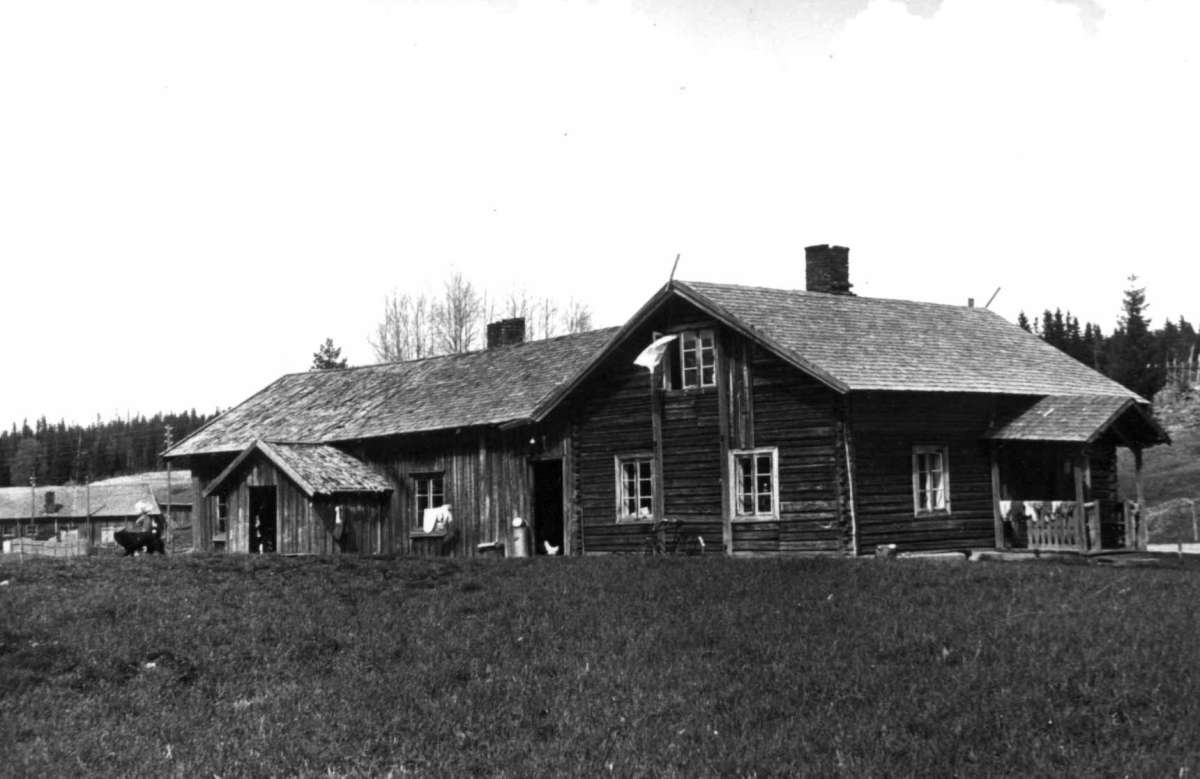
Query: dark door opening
x=548, y=507
x=262, y=520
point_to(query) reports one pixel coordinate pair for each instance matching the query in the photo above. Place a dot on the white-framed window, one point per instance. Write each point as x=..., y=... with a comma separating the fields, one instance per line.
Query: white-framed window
x=698, y=358
x=9, y=530
x=429, y=492
x=691, y=362
x=931, y=480
x=755, y=483
x=635, y=487
x=221, y=525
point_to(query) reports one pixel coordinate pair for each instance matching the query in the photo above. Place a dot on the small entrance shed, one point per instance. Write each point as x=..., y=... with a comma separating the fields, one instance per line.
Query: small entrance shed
x=299, y=499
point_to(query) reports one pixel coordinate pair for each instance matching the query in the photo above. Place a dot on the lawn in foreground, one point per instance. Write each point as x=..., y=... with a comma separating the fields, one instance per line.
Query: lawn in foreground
x=199, y=665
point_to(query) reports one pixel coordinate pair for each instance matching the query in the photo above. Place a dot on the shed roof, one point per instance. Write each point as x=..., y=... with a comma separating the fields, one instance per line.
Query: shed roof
x=1079, y=419
x=864, y=343
x=488, y=387
x=75, y=501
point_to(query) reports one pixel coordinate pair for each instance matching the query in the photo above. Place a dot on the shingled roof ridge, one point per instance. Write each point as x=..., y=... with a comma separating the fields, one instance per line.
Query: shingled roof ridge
x=832, y=295
x=453, y=355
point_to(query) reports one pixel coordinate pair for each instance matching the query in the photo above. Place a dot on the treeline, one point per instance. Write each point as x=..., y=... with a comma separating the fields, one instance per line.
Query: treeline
x=74, y=454
x=1133, y=354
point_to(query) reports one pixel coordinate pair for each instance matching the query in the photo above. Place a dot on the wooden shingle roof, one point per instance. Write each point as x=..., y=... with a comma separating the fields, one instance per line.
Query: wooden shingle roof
x=317, y=469
x=487, y=387
x=1079, y=419
x=75, y=501
x=859, y=343
x=181, y=485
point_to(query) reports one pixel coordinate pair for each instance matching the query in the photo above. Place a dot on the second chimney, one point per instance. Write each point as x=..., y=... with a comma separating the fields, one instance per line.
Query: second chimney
x=506, y=332
x=827, y=269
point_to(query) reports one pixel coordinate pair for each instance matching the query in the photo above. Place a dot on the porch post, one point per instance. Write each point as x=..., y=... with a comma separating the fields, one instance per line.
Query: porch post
x=997, y=516
x=1142, y=536
x=1081, y=535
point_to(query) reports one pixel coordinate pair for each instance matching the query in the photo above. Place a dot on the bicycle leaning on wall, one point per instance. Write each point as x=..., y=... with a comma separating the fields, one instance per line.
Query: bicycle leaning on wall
x=669, y=537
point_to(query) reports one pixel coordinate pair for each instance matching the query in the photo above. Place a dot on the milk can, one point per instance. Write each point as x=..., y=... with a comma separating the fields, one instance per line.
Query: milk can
x=520, y=538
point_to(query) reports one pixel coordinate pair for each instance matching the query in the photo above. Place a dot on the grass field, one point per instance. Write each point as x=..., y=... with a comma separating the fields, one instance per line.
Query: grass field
x=1171, y=475
x=202, y=666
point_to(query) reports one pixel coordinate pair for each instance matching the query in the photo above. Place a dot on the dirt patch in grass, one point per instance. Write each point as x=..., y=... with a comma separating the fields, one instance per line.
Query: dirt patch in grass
x=245, y=665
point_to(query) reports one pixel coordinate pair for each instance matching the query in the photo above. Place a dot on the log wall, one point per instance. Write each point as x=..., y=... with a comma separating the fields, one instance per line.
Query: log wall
x=886, y=426
x=760, y=401
x=799, y=415
x=611, y=417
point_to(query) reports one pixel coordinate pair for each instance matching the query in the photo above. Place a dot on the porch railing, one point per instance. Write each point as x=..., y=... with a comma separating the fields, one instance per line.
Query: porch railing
x=1069, y=526
x=1058, y=525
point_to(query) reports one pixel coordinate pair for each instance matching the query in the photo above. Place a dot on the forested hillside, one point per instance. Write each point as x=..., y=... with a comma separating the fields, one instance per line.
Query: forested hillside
x=61, y=453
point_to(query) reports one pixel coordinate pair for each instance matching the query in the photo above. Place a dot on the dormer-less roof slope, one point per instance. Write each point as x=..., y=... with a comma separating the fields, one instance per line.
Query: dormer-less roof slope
x=181, y=485
x=77, y=502
x=1082, y=420
x=489, y=387
x=900, y=345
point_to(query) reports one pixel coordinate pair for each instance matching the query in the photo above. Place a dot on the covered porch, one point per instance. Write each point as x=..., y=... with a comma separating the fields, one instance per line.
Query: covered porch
x=1054, y=474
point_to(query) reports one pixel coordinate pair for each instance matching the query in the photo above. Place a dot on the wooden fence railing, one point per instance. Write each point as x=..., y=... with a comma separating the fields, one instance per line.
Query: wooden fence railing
x=1056, y=526
x=68, y=547
x=1070, y=526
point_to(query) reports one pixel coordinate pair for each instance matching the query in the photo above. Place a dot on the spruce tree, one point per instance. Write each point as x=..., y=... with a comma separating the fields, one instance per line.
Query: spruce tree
x=1131, y=350
x=328, y=357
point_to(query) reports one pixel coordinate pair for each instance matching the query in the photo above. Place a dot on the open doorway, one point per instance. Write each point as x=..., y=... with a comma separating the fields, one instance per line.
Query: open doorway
x=548, y=507
x=262, y=520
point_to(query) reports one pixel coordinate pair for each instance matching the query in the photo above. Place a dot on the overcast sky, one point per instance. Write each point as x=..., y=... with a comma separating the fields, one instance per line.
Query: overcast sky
x=194, y=195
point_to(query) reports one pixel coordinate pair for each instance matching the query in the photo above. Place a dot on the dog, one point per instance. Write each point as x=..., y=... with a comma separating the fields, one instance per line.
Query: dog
x=136, y=540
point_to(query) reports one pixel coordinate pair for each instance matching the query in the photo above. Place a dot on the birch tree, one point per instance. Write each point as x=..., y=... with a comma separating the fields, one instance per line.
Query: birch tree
x=458, y=316
x=406, y=332
x=417, y=325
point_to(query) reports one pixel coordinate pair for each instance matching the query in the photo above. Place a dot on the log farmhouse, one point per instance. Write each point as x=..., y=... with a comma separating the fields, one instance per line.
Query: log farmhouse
x=753, y=420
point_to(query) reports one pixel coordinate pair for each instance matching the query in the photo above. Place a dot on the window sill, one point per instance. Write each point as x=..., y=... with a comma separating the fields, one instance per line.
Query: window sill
x=939, y=514
x=422, y=534
x=686, y=391
x=752, y=520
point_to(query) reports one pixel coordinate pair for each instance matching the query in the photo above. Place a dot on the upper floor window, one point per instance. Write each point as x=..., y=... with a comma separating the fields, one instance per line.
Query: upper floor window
x=698, y=353
x=755, y=483
x=931, y=480
x=635, y=487
x=693, y=364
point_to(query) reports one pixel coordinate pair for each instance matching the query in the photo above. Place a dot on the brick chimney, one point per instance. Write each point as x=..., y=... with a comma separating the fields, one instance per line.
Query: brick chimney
x=827, y=269
x=51, y=506
x=506, y=332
